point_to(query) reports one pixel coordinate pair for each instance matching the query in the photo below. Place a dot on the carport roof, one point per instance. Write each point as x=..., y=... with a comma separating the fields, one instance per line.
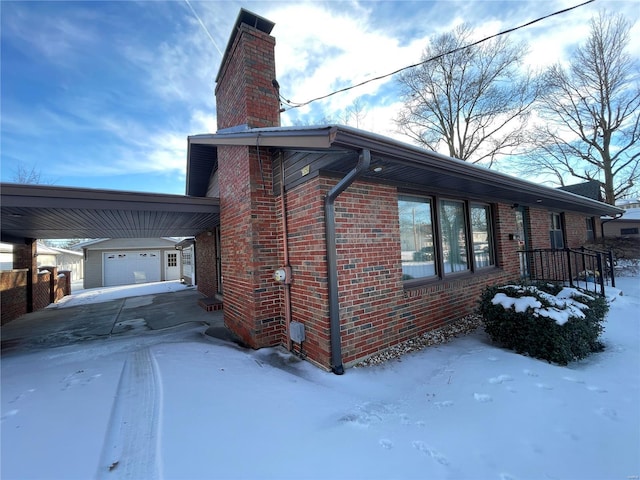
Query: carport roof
x=42, y=211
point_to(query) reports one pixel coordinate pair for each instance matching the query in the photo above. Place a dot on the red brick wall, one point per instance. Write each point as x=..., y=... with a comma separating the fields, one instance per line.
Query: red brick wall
x=42, y=291
x=14, y=291
x=539, y=225
x=575, y=230
x=206, y=277
x=245, y=94
x=307, y=255
x=376, y=311
x=251, y=246
x=13, y=294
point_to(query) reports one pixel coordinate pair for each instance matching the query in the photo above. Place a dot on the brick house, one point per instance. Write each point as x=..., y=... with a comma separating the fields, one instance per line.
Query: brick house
x=375, y=241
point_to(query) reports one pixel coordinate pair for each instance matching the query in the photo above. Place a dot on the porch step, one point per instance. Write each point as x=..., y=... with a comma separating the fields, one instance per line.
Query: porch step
x=210, y=304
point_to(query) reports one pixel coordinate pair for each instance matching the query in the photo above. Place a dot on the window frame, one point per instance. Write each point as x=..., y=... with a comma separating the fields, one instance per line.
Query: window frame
x=436, y=202
x=554, y=233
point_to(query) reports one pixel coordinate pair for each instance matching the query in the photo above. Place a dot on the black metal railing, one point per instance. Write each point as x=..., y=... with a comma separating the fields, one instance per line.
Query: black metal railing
x=585, y=268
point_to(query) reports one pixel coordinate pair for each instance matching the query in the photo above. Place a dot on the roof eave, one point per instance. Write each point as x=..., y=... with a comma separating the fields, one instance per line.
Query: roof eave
x=335, y=136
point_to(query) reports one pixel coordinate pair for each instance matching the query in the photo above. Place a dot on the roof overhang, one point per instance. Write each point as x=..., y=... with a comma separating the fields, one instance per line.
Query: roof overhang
x=41, y=211
x=404, y=165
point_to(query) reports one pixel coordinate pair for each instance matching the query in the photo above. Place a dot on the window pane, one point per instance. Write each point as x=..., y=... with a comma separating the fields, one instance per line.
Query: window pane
x=416, y=238
x=556, y=235
x=481, y=236
x=590, y=230
x=454, y=238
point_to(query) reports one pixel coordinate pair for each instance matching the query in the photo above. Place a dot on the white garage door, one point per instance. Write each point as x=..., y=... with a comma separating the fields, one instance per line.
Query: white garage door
x=124, y=268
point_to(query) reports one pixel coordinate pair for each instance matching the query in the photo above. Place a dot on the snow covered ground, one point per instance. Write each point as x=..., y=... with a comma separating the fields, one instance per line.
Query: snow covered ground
x=176, y=405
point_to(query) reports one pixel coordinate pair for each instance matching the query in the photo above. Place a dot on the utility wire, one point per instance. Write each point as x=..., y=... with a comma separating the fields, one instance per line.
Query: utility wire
x=293, y=105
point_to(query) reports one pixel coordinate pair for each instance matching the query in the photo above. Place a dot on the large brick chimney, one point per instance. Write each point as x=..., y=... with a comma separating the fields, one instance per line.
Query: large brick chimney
x=244, y=92
x=249, y=224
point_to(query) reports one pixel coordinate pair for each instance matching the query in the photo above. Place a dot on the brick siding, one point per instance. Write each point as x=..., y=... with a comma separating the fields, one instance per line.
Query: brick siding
x=376, y=312
x=206, y=275
x=49, y=287
x=13, y=292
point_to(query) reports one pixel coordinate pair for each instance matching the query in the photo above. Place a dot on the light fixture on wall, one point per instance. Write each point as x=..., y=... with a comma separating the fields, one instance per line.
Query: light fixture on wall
x=376, y=168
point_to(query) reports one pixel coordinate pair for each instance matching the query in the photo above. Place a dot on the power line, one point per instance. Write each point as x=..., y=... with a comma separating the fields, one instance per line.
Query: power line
x=293, y=105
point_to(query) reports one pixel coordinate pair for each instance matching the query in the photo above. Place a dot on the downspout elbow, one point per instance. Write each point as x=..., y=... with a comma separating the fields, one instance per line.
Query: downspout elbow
x=364, y=161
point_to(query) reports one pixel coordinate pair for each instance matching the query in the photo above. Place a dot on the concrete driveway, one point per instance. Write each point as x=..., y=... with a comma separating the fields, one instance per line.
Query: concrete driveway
x=55, y=326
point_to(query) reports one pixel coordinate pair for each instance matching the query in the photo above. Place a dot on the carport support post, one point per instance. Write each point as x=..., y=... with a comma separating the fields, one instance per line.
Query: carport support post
x=25, y=256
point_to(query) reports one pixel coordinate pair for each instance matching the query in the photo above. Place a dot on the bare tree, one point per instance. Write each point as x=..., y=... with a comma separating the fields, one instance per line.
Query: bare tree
x=354, y=113
x=24, y=174
x=590, y=113
x=473, y=101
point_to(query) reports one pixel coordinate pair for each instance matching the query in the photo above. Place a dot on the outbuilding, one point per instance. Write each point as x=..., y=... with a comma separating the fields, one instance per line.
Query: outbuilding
x=110, y=262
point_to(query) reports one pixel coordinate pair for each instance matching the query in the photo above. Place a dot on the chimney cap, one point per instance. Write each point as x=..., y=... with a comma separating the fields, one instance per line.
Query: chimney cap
x=248, y=18
x=253, y=20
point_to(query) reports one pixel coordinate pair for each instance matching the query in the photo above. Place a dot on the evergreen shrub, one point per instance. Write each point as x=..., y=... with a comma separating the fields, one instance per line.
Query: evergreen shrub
x=544, y=320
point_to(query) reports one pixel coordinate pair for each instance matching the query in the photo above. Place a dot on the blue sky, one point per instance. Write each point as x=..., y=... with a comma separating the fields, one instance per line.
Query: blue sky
x=104, y=94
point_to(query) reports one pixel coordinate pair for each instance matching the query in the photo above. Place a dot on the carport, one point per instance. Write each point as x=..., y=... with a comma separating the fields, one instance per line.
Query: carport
x=30, y=212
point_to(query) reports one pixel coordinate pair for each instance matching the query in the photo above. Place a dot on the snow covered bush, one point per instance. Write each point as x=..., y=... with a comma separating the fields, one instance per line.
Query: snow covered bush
x=546, y=321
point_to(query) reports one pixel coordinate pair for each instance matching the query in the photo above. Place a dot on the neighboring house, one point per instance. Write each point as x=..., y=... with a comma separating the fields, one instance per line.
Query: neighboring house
x=628, y=203
x=627, y=225
x=340, y=243
x=65, y=260
x=121, y=261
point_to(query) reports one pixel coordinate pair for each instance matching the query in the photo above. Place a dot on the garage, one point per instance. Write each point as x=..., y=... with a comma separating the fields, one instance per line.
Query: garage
x=127, y=267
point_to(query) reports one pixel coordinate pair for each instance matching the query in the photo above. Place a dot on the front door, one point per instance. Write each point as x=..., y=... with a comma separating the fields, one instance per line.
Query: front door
x=171, y=266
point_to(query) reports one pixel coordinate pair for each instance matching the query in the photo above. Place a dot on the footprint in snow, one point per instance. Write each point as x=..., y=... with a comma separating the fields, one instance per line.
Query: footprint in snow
x=501, y=379
x=78, y=378
x=482, y=397
x=385, y=443
x=506, y=476
x=424, y=448
x=609, y=413
x=22, y=395
x=573, y=379
x=9, y=414
x=594, y=388
x=544, y=386
x=530, y=373
x=444, y=404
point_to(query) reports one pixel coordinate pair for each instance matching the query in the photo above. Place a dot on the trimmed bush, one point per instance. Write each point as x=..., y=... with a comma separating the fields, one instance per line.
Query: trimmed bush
x=544, y=320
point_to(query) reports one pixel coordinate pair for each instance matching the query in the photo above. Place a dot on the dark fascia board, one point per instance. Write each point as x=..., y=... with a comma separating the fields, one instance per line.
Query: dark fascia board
x=343, y=137
x=411, y=155
x=305, y=138
x=45, y=196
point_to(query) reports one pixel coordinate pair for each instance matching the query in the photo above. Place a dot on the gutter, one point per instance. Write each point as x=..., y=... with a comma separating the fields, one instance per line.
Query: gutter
x=364, y=161
x=602, y=222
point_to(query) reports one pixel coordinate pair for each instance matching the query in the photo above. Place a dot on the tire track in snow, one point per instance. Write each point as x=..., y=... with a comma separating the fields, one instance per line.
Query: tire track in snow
x=132, y=445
